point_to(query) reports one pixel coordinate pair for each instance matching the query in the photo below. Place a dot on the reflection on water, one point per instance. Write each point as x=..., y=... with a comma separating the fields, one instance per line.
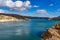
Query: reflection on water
x=27, y=30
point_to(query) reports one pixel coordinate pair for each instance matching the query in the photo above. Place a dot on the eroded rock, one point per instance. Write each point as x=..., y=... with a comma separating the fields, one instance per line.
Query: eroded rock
x=52, y=33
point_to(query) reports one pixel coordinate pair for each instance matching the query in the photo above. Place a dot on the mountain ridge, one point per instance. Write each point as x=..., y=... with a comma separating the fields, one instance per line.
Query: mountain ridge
x=21, y=17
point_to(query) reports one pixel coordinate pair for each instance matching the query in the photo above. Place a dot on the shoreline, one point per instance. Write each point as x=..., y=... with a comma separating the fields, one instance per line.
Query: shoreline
x=52, y=33
x=10, y=20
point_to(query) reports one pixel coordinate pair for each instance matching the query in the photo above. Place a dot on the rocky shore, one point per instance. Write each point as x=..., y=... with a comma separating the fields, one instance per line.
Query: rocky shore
x=52, y=33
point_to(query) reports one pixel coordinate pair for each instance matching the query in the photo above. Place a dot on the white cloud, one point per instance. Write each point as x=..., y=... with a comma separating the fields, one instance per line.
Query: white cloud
x=9, y=4
x=2, y=2
x=22, y=9
x=35, y=6
x=27, y=3
x=17, y=5
x=41, y=11
x=2, y=11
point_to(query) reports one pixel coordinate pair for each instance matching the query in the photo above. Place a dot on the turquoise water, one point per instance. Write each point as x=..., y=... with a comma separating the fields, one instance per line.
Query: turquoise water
x=25, y=30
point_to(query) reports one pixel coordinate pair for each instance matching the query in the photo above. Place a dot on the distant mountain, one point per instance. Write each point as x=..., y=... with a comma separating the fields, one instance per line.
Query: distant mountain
x=23, y=17
x=13, y=15
x=16, y=17
x=56, y=18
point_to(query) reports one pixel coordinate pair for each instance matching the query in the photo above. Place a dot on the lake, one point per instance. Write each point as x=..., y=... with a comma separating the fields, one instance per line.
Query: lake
x=25, y=30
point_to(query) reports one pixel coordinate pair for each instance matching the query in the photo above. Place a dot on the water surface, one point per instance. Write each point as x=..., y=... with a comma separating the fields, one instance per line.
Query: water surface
x=25, y=30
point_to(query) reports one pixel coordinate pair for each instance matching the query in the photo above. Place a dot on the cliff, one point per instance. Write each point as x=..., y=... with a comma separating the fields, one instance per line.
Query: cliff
x=52, y=33
x=11, y=17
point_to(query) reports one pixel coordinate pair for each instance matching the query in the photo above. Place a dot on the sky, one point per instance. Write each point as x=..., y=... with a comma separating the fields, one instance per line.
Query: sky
x=39, y=8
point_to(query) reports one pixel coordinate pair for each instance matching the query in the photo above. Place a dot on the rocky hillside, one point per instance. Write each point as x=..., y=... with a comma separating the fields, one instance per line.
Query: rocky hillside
x=52, y=33
x=11, y=17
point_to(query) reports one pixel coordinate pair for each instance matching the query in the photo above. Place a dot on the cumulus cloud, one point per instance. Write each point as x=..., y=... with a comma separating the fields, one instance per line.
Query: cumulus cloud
x=2, y=11
x=9, y=4
x=43, y=13
x=17, y=5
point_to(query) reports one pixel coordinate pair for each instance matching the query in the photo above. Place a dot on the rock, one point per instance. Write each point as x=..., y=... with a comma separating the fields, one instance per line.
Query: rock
x=52, y=33
x=57, y=26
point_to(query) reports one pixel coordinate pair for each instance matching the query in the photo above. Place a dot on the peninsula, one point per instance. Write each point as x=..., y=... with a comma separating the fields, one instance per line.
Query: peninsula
x=11, y=17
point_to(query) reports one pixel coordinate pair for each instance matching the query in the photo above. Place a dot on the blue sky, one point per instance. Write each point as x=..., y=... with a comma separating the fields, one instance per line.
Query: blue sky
x=40, y=8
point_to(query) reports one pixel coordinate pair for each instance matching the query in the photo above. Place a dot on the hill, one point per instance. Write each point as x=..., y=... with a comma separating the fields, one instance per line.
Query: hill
x=11, y=17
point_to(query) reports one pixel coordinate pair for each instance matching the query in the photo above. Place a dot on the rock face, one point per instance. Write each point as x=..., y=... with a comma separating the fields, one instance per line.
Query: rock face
x=52, y=33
